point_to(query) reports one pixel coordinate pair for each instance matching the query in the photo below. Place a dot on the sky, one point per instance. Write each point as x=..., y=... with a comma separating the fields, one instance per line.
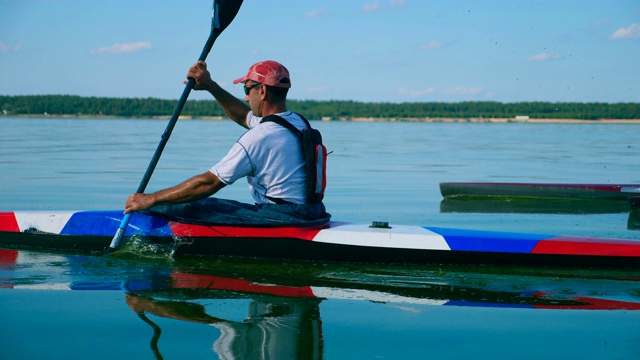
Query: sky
x=362, y=50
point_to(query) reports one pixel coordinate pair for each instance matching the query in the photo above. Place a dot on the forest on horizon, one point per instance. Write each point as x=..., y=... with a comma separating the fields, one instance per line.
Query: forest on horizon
x=314, y=109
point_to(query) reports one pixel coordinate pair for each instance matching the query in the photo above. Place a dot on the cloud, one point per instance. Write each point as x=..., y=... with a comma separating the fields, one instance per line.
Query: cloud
x=543, y=56
x=416, y=93
x=315, y=13
x=372, y=6
x=600, y=22
x=433, y=45
x=397, y=3
x=5, y=48
x=378, y=5
x=630, y=32
x=122, y=48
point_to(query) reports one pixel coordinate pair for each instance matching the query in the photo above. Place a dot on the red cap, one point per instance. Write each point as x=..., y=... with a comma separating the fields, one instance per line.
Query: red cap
x=267, y=72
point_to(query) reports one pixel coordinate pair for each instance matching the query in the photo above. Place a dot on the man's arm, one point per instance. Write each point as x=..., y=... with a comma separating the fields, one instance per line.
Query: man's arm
x=235, y=108
x=198, y=187
x=179, y=310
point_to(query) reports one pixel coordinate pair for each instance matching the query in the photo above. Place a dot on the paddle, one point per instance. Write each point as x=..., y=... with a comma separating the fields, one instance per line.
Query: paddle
x=224, y=11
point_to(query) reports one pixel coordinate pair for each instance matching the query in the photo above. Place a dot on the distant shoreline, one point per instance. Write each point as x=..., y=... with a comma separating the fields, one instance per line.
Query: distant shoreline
x=361, y=119
x=502, y=120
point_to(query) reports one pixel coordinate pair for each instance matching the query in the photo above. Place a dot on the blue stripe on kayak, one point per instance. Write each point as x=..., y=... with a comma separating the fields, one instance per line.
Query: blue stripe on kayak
x=491, y=241
x=103, y=223
x=487, y=304
x=95, y=286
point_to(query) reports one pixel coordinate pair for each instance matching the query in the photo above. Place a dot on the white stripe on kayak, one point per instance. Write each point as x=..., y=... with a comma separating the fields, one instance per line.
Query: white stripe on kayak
x=43, y=221
x=398, y=236
x=366, y=295
x=632, y=189
x=43, y=287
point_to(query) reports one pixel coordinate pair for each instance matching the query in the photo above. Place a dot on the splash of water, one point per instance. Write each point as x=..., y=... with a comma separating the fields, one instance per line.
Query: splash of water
x=140, y=246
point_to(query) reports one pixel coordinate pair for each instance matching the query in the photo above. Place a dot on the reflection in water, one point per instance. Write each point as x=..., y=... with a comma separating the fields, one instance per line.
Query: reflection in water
x=275, y=327
x=283, y=317
x=156, y=333
x=531, y=205
x=634, y=220
x=539, y=205
x=283, y=320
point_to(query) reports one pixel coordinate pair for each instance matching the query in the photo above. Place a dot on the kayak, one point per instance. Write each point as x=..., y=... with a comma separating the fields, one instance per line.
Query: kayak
x=575, y=191
x=378, y=242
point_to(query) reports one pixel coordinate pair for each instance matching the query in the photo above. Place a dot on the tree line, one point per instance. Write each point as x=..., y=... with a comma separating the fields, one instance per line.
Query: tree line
x=316, y=110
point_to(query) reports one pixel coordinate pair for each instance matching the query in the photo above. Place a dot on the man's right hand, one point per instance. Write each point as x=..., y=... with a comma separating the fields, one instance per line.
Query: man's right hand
x=201, y=75
x=137, y=202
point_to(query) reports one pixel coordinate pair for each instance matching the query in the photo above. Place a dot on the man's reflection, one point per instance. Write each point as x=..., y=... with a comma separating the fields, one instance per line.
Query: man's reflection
x=275, y=327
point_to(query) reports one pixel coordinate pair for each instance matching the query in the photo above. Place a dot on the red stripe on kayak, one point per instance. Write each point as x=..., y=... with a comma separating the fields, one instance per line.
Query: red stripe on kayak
x=196, y=281
x=191, y=230
x=576, y=245
x=8, y=222
x=594, y=304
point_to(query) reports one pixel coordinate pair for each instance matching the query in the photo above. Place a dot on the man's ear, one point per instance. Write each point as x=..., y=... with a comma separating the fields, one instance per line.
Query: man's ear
x=263, y=92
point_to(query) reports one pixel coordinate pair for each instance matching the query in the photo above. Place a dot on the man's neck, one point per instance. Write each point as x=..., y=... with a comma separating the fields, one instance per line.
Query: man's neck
x=270, y=109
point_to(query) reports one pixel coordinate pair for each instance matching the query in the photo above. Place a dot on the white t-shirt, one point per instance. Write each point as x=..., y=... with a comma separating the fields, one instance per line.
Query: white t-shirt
x=269, y=155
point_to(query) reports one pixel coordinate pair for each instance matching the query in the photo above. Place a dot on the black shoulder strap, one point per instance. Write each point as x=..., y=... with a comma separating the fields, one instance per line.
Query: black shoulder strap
x=282, y=122
x=305, y=120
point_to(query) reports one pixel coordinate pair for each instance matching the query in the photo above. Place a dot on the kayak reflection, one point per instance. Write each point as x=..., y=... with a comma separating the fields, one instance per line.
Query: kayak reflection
x=634, y=220
x=522, y=205
x=283, y=317
x=275, y=308
x=531, y=205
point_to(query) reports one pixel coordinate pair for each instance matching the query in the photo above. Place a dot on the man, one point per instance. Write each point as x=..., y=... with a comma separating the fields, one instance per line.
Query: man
x=268, y=154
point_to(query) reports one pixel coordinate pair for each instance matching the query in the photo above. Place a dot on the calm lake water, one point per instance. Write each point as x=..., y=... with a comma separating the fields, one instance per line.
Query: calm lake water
x=65, y=306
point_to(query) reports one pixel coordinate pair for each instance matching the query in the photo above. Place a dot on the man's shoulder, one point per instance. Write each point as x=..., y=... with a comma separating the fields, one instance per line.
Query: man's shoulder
x=262, y=132
x=292, y=117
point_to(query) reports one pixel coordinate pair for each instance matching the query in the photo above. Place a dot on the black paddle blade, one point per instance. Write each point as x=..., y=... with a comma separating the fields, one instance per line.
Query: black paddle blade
x=224, y=11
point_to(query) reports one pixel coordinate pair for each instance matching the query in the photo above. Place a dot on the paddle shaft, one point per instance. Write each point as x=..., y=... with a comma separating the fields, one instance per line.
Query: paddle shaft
x=215, y=32
x=216, y=29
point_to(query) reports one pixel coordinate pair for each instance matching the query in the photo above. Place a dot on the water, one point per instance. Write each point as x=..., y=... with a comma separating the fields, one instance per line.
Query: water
x=79, y=306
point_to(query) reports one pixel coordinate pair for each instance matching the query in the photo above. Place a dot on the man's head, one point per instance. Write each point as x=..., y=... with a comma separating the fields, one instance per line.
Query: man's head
x=276, y=81
x=268, y=72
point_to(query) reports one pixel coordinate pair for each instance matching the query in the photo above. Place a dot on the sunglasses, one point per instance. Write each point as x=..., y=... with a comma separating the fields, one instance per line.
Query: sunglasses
x=247, y=89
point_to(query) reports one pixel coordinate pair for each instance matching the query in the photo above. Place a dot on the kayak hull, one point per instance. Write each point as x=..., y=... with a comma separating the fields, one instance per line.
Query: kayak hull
x=573, y=191
x=92, y=231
